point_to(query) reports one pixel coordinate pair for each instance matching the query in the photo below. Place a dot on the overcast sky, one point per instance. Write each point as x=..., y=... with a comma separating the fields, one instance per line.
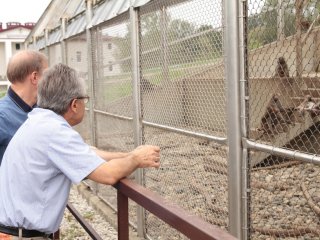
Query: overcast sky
x=22, y=10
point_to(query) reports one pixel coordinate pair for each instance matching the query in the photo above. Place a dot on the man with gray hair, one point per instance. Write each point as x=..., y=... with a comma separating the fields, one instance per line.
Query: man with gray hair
x=23, y=71
x=46, y=156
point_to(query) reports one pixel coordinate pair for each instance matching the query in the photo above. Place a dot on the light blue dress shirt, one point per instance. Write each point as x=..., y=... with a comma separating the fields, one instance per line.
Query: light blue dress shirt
x=41, y=161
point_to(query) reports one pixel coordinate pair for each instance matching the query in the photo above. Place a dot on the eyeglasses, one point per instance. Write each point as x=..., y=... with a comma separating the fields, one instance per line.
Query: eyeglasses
x=85, y=98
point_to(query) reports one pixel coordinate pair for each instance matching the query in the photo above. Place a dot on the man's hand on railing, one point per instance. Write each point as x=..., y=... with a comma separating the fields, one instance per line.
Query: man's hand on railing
x=147, y=156
x=123, y=164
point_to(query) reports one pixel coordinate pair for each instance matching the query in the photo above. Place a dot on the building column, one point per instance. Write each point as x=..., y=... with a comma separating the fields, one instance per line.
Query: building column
x=7, y=51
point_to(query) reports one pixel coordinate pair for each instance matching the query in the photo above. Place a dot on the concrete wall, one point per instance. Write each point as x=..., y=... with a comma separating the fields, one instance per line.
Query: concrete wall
x=261, y=91
x=78, y=45
x=198, y=103
x=55, y=54
x=164, y=105
x=263, y=61
x=74, y=46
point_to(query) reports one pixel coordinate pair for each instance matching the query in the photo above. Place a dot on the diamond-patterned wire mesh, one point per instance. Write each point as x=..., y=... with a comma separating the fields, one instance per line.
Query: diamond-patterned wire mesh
x=76, y=52
x=182, y=67
x=193, y=175
x=183, y=86
x=113, y=94
x=114, y=86
x=283, y=65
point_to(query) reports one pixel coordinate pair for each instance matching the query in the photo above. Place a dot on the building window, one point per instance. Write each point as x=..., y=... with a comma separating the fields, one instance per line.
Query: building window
x=110, y=66
x=78, y=56
x=17, y=46
x=109, y=45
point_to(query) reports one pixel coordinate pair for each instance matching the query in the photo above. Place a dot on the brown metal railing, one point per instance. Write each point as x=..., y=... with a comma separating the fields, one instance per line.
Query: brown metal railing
x=191, y=226
x=86, y=226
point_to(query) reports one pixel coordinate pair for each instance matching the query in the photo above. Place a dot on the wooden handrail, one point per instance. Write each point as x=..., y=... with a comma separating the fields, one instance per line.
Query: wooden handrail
x=190, y=225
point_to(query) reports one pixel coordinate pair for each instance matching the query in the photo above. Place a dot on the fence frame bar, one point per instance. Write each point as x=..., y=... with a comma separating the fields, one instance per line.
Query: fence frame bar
x=281, y=152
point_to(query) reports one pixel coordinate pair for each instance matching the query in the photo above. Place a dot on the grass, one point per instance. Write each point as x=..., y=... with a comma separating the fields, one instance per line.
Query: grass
x=122, y=85
x=88, y=215
x=2, y=93
x=115, y=91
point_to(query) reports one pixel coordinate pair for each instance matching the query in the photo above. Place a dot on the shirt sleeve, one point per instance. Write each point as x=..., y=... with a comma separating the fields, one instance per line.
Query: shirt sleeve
x=71, y=155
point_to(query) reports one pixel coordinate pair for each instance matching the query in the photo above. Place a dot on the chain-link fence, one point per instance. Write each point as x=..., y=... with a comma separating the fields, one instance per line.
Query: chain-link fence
x=283, y=59
x=230, y=92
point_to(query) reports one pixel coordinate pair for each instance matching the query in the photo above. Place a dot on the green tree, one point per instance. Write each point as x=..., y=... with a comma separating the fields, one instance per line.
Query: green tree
x=263, y=26
x=210, y=42
x=180, y=40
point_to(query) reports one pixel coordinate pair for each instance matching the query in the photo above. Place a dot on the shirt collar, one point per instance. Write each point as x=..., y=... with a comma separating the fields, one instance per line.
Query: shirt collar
x=18, y=101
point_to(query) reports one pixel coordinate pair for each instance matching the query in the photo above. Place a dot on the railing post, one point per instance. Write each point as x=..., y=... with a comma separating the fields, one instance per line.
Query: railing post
x=123, y=216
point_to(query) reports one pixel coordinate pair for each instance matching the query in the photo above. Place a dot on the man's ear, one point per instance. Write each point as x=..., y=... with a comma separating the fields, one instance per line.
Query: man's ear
x=74, y=105
x=34, y=77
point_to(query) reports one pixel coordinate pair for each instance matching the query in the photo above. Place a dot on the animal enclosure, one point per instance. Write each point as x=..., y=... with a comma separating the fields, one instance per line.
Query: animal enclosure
x=230, y=91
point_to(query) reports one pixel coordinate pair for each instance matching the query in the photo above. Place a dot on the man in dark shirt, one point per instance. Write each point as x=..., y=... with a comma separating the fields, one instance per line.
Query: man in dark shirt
x=23, y=71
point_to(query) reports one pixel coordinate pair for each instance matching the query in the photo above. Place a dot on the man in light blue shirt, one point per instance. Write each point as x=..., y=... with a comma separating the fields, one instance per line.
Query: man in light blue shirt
x=46, y=156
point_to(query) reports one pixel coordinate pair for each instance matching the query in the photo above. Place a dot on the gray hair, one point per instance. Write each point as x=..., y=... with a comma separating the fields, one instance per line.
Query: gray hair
x=59, y=85
x=24, y=63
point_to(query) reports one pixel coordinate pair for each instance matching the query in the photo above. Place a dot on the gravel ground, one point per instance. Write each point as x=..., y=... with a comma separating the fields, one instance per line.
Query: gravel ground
x=70, y=229
x=281, y=201
x=286, y=203
x=285, y=199
x=280, y=206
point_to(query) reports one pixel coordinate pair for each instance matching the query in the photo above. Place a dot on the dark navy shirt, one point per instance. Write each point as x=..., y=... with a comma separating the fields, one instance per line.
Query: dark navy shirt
x=13, y=112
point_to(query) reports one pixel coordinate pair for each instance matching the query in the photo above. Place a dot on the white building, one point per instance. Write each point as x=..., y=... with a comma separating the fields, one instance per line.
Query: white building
x=12, y=40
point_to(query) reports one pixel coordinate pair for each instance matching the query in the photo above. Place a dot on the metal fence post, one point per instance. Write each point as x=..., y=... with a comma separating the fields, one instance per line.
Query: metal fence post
x=34, y=38
x=46, y=40
x=137, y=115
x=93, y=141
x=232, y=72
x=90, y=72
x=244, y=111
x=63, y=41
